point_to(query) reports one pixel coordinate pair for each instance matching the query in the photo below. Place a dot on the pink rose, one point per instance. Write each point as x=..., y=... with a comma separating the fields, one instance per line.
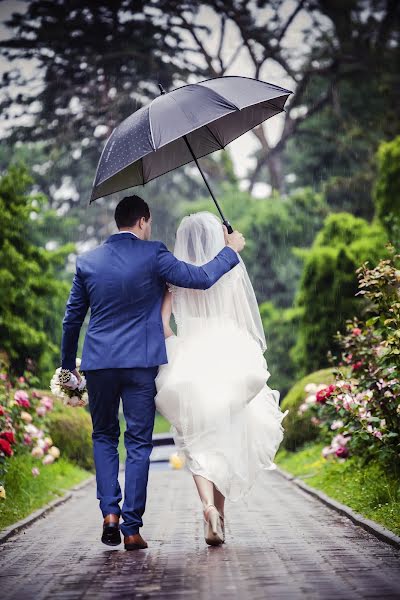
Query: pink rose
x=27, y=439
x=3, y=377
x=35, y=471
x=48, y=459
x=47, y=402
x=377, y=434
x=21, y=379
x=22, y=399
x=41, y=411
x=356, y=331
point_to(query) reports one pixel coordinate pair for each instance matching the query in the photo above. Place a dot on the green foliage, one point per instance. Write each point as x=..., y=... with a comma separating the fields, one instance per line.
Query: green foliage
x=71, y=431
x=337, y=143
x=298, y=427
x=351, y=193
x=328, y=285
x=272, y=227
x=33, y=295
x=280, y=326
x=371, y=490
x=387, y=188
x=25, y=493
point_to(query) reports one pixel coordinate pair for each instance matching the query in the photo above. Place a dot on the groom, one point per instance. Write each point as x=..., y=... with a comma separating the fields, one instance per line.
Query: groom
x=123, y=283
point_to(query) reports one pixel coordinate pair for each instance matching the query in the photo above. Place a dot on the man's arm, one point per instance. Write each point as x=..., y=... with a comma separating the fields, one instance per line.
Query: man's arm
x=186, y=275
x=75, y=312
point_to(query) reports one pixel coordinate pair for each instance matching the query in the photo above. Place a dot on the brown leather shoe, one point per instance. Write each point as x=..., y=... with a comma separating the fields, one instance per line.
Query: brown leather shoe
x=135, y=542
x=111, y=535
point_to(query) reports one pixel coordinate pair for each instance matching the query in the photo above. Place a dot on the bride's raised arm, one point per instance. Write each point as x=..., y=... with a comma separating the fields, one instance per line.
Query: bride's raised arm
x=166, y=311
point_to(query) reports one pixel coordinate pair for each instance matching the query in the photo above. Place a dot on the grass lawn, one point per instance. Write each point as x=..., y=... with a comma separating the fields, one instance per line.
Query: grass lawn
x=26, y=493
x=369, y=490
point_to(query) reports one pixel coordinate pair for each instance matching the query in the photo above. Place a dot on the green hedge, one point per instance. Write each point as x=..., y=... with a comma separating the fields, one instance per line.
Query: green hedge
x=71, y=430
x=298, y=428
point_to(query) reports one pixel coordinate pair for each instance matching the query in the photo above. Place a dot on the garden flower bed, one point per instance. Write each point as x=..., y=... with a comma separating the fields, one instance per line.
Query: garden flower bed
x=31, y=470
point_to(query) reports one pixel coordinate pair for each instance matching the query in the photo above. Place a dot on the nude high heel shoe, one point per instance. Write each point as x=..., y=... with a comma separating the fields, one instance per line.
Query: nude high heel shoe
x=213, y=532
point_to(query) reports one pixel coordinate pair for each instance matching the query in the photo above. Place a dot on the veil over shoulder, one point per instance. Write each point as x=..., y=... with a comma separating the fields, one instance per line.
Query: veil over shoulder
x=225, y=419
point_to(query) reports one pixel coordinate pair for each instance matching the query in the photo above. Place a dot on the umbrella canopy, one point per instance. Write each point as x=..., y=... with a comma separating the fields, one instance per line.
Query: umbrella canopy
x=183, y=125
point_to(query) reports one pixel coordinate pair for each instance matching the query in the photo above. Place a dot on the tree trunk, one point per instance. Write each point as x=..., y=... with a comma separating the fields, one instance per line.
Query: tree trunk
x=274, y=165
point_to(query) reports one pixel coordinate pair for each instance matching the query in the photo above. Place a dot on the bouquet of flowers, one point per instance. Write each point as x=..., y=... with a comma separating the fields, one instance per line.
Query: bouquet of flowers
x=65, y=385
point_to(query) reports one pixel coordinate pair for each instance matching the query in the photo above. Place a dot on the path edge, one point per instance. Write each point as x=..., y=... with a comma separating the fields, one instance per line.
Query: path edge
x=377, y=530
x=6, y=533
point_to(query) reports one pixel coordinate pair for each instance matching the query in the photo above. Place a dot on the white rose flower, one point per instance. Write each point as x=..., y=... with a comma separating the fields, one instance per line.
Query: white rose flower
x=37, y=452
x=310, y=388
x=54, y=451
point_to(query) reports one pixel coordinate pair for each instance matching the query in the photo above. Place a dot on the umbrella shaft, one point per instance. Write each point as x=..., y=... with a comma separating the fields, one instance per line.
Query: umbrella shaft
x=226, y=223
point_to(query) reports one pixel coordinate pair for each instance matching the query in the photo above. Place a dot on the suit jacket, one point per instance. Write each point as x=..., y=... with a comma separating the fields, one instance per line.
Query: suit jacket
x=123, y=283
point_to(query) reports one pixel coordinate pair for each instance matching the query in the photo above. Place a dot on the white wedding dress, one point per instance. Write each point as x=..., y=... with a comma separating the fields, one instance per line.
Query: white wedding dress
x=225, y=419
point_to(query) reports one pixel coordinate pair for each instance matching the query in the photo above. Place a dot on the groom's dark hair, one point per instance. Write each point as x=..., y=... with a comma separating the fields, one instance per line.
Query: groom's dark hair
x=130, y=210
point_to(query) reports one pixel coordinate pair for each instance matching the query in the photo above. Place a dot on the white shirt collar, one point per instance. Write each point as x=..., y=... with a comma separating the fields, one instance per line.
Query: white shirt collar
x=131, y=232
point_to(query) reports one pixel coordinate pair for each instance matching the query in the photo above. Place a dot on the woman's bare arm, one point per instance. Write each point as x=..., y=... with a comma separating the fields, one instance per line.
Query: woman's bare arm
x=166, y=311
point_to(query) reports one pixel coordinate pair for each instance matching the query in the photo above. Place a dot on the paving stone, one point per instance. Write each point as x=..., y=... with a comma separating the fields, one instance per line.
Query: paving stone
x=282, y=544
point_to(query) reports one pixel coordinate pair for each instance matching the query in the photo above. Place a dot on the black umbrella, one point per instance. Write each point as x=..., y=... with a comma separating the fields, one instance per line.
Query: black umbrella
x=184, y=125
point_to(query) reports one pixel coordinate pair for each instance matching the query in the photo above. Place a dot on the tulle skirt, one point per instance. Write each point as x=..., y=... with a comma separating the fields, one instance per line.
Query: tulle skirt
x=225, y=419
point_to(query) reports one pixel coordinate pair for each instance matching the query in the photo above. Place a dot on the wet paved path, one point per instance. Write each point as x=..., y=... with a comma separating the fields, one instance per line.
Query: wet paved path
x=281, y=544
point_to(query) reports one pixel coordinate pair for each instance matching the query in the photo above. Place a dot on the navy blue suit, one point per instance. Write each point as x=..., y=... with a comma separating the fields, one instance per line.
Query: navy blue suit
x=123, y=283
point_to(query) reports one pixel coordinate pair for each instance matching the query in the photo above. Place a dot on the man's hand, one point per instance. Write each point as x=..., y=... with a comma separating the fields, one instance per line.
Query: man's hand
x=77, y=375
x=234, y=240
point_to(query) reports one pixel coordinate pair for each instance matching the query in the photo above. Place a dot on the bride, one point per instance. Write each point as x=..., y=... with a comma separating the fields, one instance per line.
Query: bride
x=226, y=421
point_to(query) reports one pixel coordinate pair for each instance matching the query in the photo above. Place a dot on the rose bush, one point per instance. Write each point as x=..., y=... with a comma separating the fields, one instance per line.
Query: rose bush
x=22, y=423
x=363, y=410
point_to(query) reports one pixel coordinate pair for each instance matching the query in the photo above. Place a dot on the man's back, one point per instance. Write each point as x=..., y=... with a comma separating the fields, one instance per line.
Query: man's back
x=125, y=294
x=123, y=282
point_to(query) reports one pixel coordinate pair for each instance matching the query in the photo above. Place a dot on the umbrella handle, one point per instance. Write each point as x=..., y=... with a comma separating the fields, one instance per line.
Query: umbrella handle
x=228, y=226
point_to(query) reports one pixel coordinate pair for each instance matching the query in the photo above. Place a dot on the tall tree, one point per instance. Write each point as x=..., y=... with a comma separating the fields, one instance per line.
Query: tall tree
x=31, y=280
x=343, y=63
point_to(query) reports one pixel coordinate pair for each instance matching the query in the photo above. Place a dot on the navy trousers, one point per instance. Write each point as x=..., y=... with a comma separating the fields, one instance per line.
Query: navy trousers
x=137, y=389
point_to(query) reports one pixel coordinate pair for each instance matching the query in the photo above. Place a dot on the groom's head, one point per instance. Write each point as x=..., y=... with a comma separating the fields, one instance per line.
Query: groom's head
x=133, y=214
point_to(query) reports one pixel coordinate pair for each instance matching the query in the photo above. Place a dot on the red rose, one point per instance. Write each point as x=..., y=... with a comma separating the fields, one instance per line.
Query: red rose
x=356, y=331
x=9, y=436
x=342, y=452
x=357, y=365
x=5, y=447
x=1, y=410
x=22, y=399
x=323, y=395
